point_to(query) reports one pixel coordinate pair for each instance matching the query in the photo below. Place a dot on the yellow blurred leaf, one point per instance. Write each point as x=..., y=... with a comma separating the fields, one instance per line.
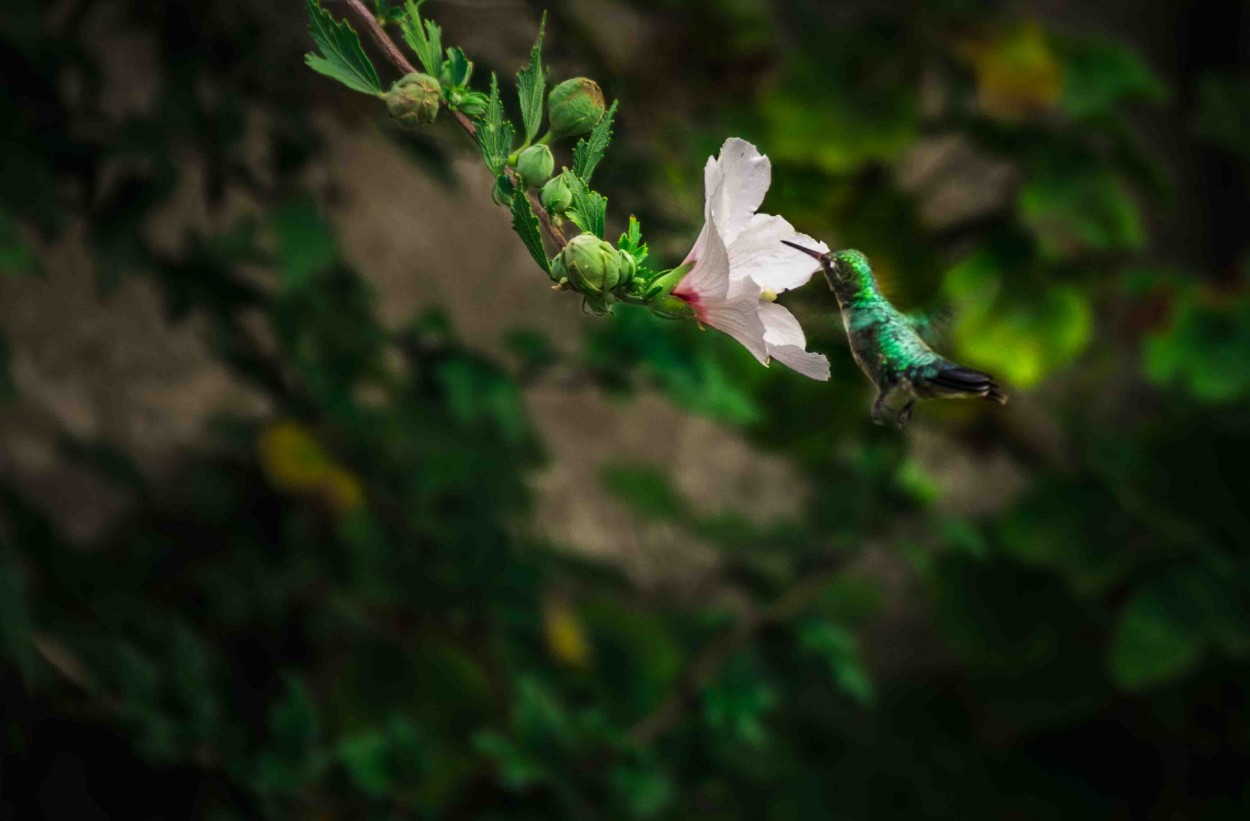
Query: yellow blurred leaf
x=1018, y=73
x=566, y=638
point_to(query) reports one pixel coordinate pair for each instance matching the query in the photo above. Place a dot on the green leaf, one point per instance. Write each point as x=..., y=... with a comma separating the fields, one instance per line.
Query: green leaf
x=526, y=225
x=590, y=209
x=1203, y=349
x=838, y=648
x=631, y=242
x=305, y=243
x=1101, y=75
x=532, y=85
x=494, y=133
x=590, y=149
x=645, y=489
x=459, y=68
x=1074, y=206
x=424, y=38
x=342, y=57
x=1152, y=644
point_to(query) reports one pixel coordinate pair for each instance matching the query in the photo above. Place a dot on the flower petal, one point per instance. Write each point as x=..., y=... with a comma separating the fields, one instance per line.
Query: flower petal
x=739, y=316
x=758, y=252
x=786, y=343
x=811, y=365
x=708, y=279
x=735, y=184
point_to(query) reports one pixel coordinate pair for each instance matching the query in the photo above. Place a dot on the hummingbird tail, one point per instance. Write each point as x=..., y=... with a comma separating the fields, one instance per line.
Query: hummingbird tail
x=956, y=380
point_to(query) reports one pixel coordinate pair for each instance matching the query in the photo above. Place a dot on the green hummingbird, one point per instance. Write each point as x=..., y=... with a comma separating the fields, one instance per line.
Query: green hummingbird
x=888, y=346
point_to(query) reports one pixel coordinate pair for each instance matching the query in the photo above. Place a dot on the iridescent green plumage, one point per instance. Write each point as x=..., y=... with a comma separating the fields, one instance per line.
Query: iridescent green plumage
x=887, y=344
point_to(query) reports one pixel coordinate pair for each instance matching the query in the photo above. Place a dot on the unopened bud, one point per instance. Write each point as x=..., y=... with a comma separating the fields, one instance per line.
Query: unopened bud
x=556, y=195
x=414, y=100
x=535, y=165
x=472, y=103
x=591, y=265
x=574, y=107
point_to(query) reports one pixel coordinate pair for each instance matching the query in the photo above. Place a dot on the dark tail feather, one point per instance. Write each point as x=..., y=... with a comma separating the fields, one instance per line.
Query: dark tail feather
x=956, y=379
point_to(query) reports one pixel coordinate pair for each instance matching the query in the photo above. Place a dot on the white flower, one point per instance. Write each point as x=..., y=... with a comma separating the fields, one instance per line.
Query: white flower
x=740, y=264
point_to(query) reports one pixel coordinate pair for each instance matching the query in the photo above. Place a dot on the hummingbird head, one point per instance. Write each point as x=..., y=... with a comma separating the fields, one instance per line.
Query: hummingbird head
x=848, y=272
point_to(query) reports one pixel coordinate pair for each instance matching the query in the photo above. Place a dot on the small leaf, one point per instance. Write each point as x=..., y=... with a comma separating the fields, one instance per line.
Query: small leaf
x=531, y=86
x=342, y=57
x=590, y=149
x=527, y=228
x=459, y=68
x=494, y=133
x=631, y=241
x=424, y=38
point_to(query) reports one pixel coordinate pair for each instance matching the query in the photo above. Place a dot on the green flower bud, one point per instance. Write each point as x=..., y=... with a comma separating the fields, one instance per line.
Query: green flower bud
x=556, y=195
x=591, y=265
x=535, y=165
x=414, y=100
x=472, y=103
x=574, y=107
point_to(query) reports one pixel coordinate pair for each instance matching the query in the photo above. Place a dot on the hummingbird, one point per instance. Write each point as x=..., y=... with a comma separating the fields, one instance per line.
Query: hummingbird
x=888, y=345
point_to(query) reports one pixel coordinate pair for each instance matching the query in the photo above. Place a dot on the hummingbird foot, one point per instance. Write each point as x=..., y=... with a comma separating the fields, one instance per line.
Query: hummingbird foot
x=904, y=414
x=880, y=411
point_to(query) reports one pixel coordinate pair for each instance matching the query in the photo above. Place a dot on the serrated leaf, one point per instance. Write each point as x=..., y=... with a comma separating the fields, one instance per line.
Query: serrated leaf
x=494, y=133
x=531, y=84
x=631, y=241
x=590, y=150
x=424, y=38
x=525, y=223
x=459, y=68
x=342, y=57
x=590, y=209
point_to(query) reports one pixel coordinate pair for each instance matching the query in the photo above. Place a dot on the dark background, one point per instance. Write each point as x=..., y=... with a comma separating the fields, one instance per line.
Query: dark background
x=317, y=502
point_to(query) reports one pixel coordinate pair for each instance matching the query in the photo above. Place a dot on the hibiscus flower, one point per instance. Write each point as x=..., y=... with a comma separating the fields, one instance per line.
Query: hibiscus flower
x=738, y=264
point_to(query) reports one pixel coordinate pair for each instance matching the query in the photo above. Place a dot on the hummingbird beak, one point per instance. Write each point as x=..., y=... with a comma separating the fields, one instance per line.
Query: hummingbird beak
x=808, y=251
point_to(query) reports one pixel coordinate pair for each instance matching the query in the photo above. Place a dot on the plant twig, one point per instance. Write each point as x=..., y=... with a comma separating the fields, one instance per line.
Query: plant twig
x=401, y=62
x=701, y=671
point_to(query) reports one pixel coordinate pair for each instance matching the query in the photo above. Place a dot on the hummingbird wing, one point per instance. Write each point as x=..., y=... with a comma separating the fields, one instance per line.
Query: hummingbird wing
x=931, y=326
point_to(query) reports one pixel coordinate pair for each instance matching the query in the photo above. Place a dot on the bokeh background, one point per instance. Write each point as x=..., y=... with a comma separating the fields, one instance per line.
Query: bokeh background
x=317, y=502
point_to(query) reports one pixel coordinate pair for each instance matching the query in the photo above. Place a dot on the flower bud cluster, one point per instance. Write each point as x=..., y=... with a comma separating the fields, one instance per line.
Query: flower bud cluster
x=595, y=269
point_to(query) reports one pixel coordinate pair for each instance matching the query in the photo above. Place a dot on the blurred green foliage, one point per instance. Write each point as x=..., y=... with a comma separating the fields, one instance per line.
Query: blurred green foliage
x=336, y=609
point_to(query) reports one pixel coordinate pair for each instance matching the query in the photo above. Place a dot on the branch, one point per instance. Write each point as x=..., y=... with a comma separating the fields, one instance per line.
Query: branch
x=401, y=62
x=716, y=654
